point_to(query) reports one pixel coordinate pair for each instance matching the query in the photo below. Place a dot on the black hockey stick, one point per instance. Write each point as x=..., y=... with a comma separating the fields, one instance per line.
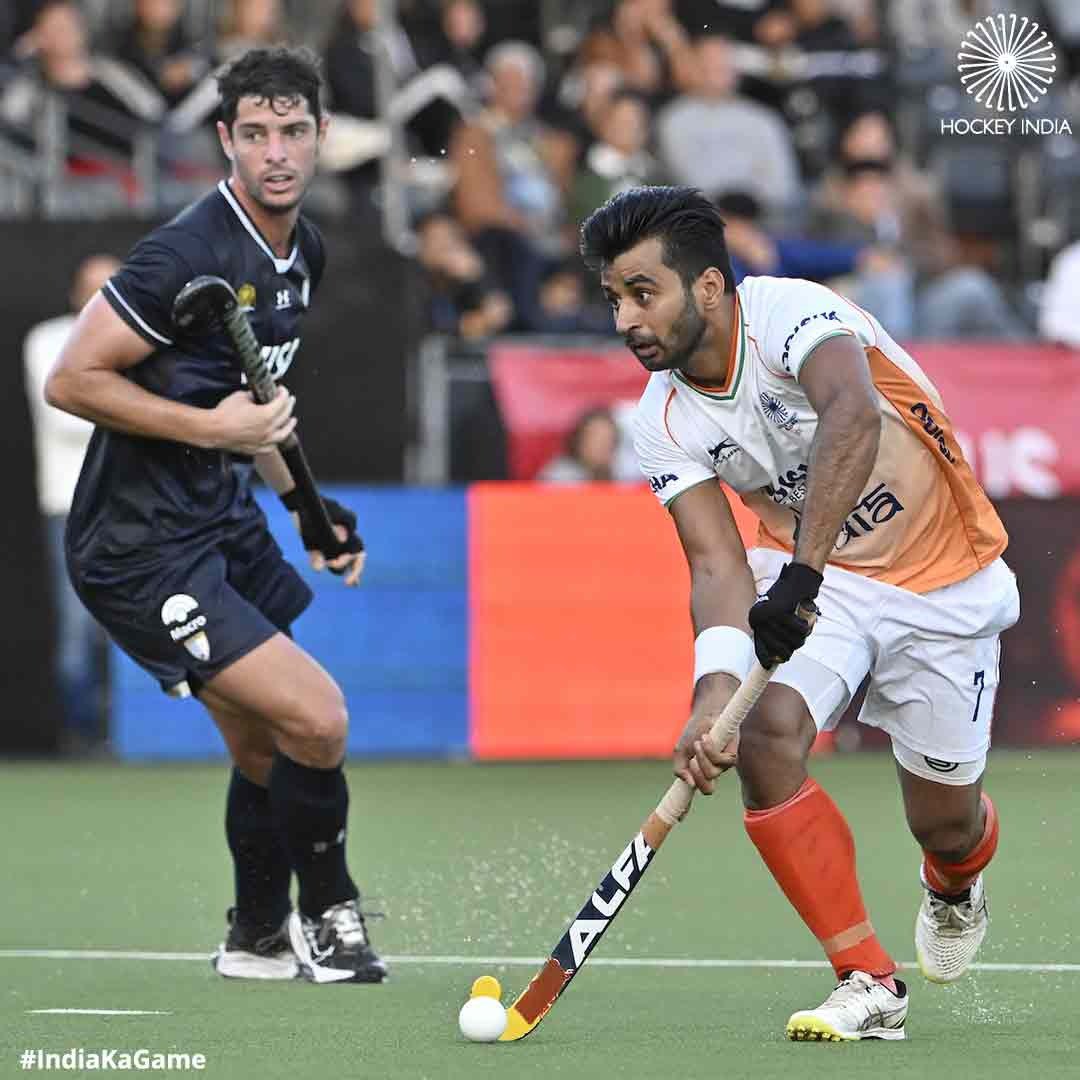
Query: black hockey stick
x=207, y=304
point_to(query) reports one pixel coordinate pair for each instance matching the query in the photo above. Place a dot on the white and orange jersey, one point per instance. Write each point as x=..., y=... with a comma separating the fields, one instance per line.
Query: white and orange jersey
x=923, y=521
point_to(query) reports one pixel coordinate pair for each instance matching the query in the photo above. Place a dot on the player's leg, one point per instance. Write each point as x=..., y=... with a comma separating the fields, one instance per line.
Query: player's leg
x=956, y=824
x=809, y=849
x=305, y=711
x=799, y=831
x=934, y=695
x=257, y=942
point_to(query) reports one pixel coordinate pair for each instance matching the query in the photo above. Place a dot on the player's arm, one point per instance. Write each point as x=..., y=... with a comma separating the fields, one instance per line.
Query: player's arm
x=721, y=592
x=836, y=379
x=87, y=380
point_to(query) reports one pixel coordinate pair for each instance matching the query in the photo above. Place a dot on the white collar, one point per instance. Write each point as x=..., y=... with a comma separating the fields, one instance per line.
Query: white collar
x=282, y=266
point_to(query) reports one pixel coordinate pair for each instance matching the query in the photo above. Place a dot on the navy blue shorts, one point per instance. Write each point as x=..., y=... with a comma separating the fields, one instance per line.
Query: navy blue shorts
x=184, y=619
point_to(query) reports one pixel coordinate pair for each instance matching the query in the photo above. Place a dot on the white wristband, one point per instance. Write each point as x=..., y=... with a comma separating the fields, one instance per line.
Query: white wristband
x=723, y=648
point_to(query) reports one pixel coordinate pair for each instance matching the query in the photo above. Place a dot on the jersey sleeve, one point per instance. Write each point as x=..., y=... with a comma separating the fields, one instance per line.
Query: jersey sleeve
x=142, y=291
x=801, y=315
x=669, y=469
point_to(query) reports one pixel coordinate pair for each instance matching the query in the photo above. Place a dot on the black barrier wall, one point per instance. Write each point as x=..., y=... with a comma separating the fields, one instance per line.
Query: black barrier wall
x=349, y=378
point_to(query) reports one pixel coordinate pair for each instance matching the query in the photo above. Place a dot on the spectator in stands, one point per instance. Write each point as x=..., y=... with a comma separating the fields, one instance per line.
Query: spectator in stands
x=583, y=97
x=101, y=100
x=590, y=453
x=250, y=23
x=60, y=443
x=717, y=141
x=463, y=300
x=619, y=159
x=427, y=102
x=874, y=195
x=564, y=307
x=513, y=174
x=1059, y=311
x=512, y=168
x=156, y=46
x=756, y=250
x=458, y=43
x=648, y=45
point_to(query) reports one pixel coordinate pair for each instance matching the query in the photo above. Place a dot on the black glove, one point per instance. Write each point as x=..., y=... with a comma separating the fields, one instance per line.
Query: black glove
x=778, y=630
x=338, y=514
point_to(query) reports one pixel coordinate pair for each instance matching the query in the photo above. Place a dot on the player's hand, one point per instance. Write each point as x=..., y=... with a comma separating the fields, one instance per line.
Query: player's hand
x=778, y=627
x=350, y=562
x=696, y=760
x=242, y=425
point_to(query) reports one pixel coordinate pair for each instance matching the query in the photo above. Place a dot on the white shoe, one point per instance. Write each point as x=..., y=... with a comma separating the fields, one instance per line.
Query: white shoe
x=859, y=1008
x=249, y=954
x=948, y=935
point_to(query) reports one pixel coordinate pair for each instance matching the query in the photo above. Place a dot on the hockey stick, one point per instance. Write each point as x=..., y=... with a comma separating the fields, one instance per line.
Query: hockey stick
x=206, y=304
x=595, y=917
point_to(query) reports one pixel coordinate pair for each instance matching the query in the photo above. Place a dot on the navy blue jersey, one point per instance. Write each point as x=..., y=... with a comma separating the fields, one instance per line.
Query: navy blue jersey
x=135, y=493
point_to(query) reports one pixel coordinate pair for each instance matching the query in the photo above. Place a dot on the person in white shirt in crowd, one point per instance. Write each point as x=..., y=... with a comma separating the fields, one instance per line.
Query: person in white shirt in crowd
x=716, y=140
x=1059, y=313
x=60, y=440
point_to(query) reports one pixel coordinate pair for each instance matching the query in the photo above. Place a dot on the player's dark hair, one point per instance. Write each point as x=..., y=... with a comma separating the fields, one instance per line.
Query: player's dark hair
x=278, y=73
x=689, y=227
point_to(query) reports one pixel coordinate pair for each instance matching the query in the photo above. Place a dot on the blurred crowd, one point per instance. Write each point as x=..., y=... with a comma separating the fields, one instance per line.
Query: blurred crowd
x=814, y=124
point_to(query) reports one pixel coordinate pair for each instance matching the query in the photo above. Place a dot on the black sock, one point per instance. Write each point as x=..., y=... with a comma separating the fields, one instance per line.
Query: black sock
x=311, y=807
x=260, y=857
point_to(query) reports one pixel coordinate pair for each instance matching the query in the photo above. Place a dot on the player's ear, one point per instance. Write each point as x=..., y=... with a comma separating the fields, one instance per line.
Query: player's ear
x=226, y=139
x=711, y=288
x=324, y=123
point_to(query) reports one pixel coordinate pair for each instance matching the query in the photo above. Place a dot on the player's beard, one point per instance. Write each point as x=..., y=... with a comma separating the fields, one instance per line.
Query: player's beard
x=686, y=334
x=685, y=339
x=254, y=187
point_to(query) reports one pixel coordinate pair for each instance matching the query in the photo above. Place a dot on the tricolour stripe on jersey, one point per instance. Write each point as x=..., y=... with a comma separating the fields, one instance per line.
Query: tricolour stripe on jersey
x=736, y=363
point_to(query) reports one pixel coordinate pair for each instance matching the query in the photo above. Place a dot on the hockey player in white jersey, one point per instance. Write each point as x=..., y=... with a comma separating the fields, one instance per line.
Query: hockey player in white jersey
x=829, y=431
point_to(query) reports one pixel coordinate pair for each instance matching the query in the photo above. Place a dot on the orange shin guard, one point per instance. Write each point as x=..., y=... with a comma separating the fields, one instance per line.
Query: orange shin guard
x=952, y=878
x=809, y=849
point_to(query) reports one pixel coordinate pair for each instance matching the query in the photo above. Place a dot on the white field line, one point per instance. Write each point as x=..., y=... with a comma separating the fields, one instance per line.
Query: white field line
x=97, y=1012
x=506, y=961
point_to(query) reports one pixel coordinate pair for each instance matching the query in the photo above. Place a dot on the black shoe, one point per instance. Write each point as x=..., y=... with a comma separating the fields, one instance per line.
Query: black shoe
x=335, y=947
x=255, y=952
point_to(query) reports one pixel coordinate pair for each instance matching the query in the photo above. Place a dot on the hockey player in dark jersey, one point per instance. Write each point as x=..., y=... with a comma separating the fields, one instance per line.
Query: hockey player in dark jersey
x=169, y=550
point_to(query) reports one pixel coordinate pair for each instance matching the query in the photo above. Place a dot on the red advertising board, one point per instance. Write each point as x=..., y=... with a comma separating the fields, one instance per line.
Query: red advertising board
x=1015, y=408
x=580, y=642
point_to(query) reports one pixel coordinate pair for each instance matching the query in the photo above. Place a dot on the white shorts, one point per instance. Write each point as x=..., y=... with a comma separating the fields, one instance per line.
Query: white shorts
x=932, y=660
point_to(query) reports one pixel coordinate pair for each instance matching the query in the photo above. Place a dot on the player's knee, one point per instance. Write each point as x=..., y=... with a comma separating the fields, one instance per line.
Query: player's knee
x=773, y=736
x=323, y=729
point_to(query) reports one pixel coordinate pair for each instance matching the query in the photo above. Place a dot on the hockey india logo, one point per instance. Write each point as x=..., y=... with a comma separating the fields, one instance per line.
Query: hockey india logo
x=1006, y=62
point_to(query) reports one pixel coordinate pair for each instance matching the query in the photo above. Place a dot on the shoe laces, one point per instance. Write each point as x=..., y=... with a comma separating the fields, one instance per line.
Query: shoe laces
x=956, y=917
x=847, y=991
x=347, y=923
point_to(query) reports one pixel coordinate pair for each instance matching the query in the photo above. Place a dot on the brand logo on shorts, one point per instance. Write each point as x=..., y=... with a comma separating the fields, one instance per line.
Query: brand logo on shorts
x=181, y=608
x=941, y=766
